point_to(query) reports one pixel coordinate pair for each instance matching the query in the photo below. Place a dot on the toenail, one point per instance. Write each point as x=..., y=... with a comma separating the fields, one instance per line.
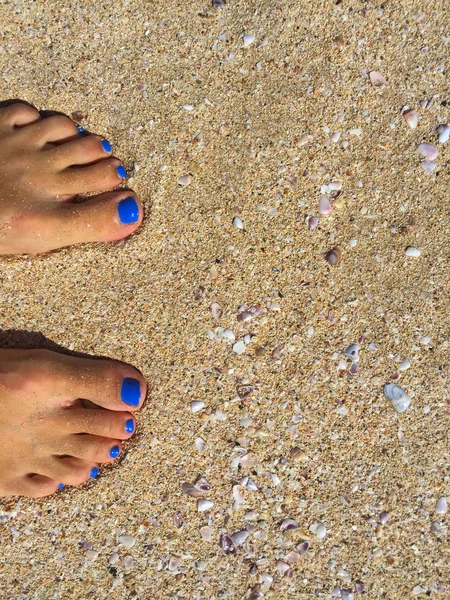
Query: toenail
x=60, y=486
x=121, y=171
x=106, y=145
x=94, y=472
x=131, y=391
x=128, y=211
x=114, y=452
x=129, y=426
x=81, y=129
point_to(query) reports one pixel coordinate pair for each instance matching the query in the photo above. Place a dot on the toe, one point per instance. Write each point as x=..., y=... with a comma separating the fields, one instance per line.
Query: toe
x=69, y=470
x=104, y=423
x=99, y=177
x=81, y=151
x=90, y=448
x=32, y=486
x=18, y=115
x=104, y=218
x=50, y=130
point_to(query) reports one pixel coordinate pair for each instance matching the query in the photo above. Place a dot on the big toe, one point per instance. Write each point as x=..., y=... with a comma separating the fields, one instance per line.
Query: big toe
x=105, y=218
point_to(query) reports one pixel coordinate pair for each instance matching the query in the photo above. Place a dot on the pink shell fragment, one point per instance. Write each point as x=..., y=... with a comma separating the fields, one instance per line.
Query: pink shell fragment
x=376, y=79
x=325, y=207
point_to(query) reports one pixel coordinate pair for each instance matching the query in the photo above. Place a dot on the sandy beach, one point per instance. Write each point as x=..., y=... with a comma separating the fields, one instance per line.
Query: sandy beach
x=260, y=136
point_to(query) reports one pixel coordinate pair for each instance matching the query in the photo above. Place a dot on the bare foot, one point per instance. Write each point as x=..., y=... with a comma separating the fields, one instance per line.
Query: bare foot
x=44, y=165
x=49, y=438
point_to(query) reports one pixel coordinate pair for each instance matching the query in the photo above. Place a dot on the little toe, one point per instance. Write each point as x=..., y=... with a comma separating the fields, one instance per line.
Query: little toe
x=69, y=470
x=81, y=151
x=104, y=423
x=99, y=177
x=35, y=486
x=18, y=115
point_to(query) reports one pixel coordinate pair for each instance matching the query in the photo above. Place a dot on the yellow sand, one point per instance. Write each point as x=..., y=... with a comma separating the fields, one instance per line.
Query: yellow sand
x=129, y=67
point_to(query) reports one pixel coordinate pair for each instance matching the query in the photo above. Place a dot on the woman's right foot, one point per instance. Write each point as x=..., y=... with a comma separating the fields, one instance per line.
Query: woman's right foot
x=44, y=165
x=49, y=438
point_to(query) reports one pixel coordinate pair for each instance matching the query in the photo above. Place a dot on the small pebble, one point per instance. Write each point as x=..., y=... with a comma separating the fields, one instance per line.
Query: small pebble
x=412, y=251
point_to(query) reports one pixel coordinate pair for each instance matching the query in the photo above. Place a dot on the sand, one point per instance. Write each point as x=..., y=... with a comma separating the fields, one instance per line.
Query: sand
x=133, y=69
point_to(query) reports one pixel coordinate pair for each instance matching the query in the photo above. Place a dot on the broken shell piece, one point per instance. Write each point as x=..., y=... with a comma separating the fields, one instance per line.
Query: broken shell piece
x=248, y=38
x=238, y=495
x=428, y=151
x=325, y=207
x=303, y=548
x=237, y=222
x=376, y=79
x=411, y=117
x=319, y=530
x=127, y=540
x=205, y=532
x=304, y=140
x=412, y=251
x=239, y=347
x=347, y=594
x=404, y=365
x=228, y=335
x=178, y=520
x=216, y=311
x=244, y=391
x=219, y=3
x=191, y=490
x=204, y=504
x=333, y=256
x=239, y=537
x=282, y=566
x=428, y=165
x=441, y=506
x=227, y=544
x=292, y=557
x=249, y=460
x=397, y=397
x=197, y=405
x=174, y=563
x=288, y=524
x=335, y=186
x=298, y=455
x=384, y=517
x=352, y=352
x=443, y=133
x=184, y=180
x=313, y=222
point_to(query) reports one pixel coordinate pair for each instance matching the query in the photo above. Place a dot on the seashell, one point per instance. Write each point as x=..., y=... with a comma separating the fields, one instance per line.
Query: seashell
x=197, y=405
x=333, y=256
x=184, y=180
x=238, y=495
x=237, y=222
x=277, y=353
x=304, y=140
x=204, y=504
x=384, y=517
x=411, y=116
x=376, y=79
x=178, y=520
x=359, y=587
x=202, y=484
x=346, y=594
x=244, y=391
x=282, y=566
x=227, y=334
x=292, y=557
x=251, y=484
x=398, y=399
x=412, y=251
x=266, y=577
x=249, y=460
x=302, y=548
x=128, y=562
x=248, y=38
x=239, y=347
x=425, y=340
x=313, y=222
x=227, y=544
x=198, y=138
x=205, y=532
x=443, y=133
x=297, y=455
x=319, y=530
x=325, y=207
x=335, y=186
x=441, y=506
x=428, y=165
x=245, y=316
x=216, y=311
x=334, y=137
x=113, y=559
x=239, y=537
x=174, y=563
x=404, y=365
x=219, y=3
x=288, y=524
x=127, y=540
x=192, y=490
x=187, y=107
x=352, y=352
x=428, y=151
x=200, y=444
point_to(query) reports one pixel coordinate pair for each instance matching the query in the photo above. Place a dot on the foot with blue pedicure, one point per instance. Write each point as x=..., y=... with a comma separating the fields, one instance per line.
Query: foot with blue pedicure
x=50, y=439
x=45, y=165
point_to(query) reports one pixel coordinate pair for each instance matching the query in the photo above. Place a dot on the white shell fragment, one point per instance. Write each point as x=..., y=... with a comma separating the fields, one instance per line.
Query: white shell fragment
x=428, y=165
x=197, y=405
x=204, y=504
x=184, y=180
x=352, y=352
x=249, y=38
x=376, y=79
x=428, y=151
x=239, y=347
x=411, y=117
x=441, y=506
x=398, y=399
x=412, y=251
x=319, y=530
x=404, y=365
x=288, y=524
x=443, y=132
x=325, y=207
x=237, y=222
x=216, y=311
x=127, y=540
x=239, y=537
x=313, y=223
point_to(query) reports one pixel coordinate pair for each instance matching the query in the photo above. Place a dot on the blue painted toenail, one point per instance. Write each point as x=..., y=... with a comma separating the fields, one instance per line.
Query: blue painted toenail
x=60, y=486
x=106, y=145
x=81, y=129
x=94, y=472
x=129, y=426
x=131, y=391
x=128, y=211
x=114, y=452
x=121, y=171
